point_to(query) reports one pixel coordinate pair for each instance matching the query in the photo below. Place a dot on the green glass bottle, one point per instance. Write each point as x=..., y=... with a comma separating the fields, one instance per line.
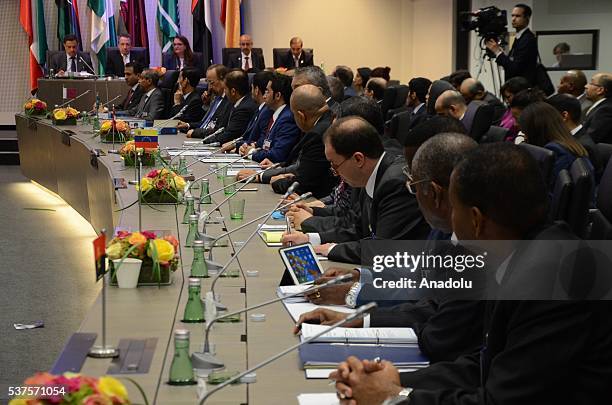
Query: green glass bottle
x=96, y=123
x=182, y=167
x=199, y=268
x=205, y=197
x=194, y=310
x=181, y=370
x=189, y=208
x=193, y=233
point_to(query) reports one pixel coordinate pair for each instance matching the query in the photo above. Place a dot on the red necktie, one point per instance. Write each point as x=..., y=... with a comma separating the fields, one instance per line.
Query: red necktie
x=246, y=64
x=128, y=99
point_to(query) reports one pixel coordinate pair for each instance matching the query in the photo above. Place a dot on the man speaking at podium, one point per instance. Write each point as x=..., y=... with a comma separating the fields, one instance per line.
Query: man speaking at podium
x=72, y=60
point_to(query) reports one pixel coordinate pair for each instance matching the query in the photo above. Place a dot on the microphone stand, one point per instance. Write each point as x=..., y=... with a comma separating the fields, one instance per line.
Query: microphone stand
x=193, y=146
x=361, y=311
x=206, y=360
x=200, y=160
x=73, y=99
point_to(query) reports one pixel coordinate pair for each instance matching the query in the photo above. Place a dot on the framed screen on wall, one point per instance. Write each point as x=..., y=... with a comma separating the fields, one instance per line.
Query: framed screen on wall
x=571, y=49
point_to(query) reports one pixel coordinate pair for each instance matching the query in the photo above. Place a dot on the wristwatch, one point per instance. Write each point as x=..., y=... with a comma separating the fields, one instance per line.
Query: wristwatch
x=402, y=397
x=351, y=296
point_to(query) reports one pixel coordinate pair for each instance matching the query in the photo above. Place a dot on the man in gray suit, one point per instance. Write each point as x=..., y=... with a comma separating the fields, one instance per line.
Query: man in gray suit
x=151, y=106
x=72, y=61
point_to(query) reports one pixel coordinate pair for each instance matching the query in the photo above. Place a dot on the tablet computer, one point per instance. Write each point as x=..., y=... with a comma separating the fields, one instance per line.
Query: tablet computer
x=302, y=263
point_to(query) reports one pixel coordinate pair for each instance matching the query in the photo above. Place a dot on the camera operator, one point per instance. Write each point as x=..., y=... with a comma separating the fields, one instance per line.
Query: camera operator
x=522, y=58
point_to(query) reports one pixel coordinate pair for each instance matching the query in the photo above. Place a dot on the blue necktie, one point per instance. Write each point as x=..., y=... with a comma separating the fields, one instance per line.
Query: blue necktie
x=211, y=112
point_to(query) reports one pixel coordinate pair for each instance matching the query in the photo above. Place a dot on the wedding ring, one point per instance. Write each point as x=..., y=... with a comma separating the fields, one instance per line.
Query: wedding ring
x=317, y=294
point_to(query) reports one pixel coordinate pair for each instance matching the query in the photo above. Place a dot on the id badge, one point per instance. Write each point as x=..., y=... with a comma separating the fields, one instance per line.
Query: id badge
x=267, y=144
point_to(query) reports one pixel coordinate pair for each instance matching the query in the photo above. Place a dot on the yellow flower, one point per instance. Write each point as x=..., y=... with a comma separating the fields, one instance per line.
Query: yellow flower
x=72, y=112
x=28, y=105
x=164, y=171
x=165, y=250
x=145, y=184
x=114, y=251
x=137, y=239
x=18, y=402
x=59, y=115
x=106, y=126
x=113, y=388
x=179, y=183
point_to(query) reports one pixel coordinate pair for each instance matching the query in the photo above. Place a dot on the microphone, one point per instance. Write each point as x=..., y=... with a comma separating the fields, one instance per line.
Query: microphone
x=206, y=360
x=360, y=312
x=291, y=189
x=211, y=136
x=182, y=110
x=88, y=66
x=73, y=99
x=216, y=266
x=201, y=159
x=190, y=147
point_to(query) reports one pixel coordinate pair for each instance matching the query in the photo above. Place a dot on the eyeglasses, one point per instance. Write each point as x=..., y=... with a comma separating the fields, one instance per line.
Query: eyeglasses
x=410, y=182
x=335, y=167
x=594, y=84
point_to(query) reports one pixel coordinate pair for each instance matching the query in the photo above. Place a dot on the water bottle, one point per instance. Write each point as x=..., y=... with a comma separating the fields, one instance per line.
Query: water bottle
x=181, y=370
x=193, y=233
x=205, y=197
x=189, y=208
x=194, y=310
x=199, y=269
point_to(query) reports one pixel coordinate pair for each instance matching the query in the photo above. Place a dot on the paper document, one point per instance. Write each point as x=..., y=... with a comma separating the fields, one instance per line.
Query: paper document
x=323, y=373
x=292, y=289
x=318, y=399
x=297, y=309
x=272, y=236
x=360, y=335
x=165, y=123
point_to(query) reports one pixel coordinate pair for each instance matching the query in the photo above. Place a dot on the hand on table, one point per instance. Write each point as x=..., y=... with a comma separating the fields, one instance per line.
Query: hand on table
x=295, y=238
x=244, y=173
x=190, y=133
x=324, y=316
x=323, y=249
x=264, y=164
x=340, y=271
x=297, y=216
x=182, y=125
x=332, y=295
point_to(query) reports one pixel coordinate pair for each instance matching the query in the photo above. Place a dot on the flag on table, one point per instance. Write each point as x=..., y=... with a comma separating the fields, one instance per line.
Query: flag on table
x=102, y=30
x=99, y=245
x=146, y=138
x=68, y=21
x=134, y=22
x=168, y=20
x=202, y=29
x=32, y=19
x=231, y=19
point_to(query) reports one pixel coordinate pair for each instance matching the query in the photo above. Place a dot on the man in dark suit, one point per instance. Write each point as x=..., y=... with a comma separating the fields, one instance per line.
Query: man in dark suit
x=574, y=82
x=187, y=101
x=522, y=58
x=280, y=133
x=375, y=89
x=296, y=57
x=531, y=349
x=72, y=60
x=242, y=106
x=388, y=211
x=598, y=122
x=345, y=74
x=306, y=163
x=116, y=59
x=476, y=117
x=246, y=60
x=472, y=89
x=218, y=112
x=316, y=76
x=132, y=72
x=152, y=105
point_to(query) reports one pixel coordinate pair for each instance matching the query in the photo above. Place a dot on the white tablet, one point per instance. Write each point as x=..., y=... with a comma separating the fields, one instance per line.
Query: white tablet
x=302, y=263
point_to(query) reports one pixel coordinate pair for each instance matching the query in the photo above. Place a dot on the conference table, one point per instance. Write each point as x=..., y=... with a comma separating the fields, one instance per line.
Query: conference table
x=61, y=90
x=63, y=159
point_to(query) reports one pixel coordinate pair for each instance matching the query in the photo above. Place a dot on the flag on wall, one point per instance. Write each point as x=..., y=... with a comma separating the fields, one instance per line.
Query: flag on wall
x=102, y=31
x=168, y=20
x=32, y=19
x=68, y=21
x=134, y=22
x=202, y=29
x=231, y=12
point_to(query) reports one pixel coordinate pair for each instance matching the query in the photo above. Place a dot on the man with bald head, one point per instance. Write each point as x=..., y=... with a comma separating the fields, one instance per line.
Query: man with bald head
x=598, y=123
x=473, y=90
x=375, y=89
x=476, y=118
x=573, y=82
x=246, y=60
x=296, y=57
x=306, y=163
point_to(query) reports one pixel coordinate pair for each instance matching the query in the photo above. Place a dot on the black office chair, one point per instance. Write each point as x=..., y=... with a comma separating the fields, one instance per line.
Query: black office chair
x=395, y=97
x=604, y=152
x=478, y=119
x=137, y=51
x=545, y=159
x=601, y=227
x=202, y=65
x=399, y=123
x=561, y=197
x=279, y=53
x=168, y=81
x=494, y=134
x=581, y=197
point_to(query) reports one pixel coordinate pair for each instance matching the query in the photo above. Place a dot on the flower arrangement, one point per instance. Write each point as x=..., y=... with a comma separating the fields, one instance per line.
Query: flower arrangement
x=161, y=186
x=72, y=389
x=160, y=70
x=159, y=255
x=119, y=132
x=64, y=116
x=35, y=106
x=128, y=154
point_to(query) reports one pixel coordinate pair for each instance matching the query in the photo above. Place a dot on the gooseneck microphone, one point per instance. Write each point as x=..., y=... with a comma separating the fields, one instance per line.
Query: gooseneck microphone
x=360, y=312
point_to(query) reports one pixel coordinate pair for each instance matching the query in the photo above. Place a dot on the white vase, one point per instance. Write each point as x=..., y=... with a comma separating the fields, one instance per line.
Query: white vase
x=128, y=272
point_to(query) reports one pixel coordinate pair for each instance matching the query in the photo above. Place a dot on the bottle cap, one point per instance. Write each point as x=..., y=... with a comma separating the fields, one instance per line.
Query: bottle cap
x=189, y=198
x=197, y=243
x=258, y=317
x=194, y=217
x=194, y=282
x=182, y=334
x=205, y=180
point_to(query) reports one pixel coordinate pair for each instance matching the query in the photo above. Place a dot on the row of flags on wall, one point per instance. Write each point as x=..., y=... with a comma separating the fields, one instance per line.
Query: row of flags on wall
x=131, y=20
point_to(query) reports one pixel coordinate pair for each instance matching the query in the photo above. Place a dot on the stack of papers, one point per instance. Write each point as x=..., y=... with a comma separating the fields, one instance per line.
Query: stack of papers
x=271, y=234
x=285, y=290
x=318, y=399
x=299, y=308
x=360, y=335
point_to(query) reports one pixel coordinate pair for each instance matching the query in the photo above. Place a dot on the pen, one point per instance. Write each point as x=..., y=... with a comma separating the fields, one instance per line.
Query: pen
x=288, y=221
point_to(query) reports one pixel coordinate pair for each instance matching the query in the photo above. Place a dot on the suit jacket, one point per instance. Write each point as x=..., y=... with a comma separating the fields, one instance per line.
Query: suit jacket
x=114, y=62
x=498, y=107
x=478, y=119
x=173, y=63
x=219, y=119
x=256, y=61
x=130, y=104
x=522, y=58
x=392, y=213
x=58, y=62
x=306, y=59
x=238, y=120
x=531, y=349
x=283, y=136
x=256, y=125
x=151, y=108
x=191, y=108
x=311, y=167
x=598, y=122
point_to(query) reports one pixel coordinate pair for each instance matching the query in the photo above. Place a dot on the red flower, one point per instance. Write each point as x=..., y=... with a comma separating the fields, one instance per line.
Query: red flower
x=122, y=234
x=40, y=105
x=153, y=173
x=149, y=234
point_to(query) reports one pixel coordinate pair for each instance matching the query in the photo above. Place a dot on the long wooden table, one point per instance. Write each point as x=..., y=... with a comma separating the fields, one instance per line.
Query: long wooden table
x=63, y=164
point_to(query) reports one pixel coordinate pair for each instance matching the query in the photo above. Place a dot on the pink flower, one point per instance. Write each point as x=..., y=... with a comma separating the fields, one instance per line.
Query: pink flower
x=149, y=234
x=153, y=174
x=71, y=384
x=123, y=234
x=97, y=399
x=40, y=379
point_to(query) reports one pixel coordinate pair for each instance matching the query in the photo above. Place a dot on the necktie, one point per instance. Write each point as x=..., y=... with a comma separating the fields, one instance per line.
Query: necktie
x=246, y=63
x=73, y=66
x=297, y=62
x=128, y=99
x=142, y=105
x=269, y=127
x=211, y=112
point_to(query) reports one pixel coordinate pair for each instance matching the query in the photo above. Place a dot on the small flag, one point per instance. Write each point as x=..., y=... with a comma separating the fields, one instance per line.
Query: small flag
x=99, y=245
x=146, y=138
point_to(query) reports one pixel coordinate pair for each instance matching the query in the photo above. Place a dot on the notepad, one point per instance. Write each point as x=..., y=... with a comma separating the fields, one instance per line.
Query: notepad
x=360, y=335
x=272, y=236
x=318, y=399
